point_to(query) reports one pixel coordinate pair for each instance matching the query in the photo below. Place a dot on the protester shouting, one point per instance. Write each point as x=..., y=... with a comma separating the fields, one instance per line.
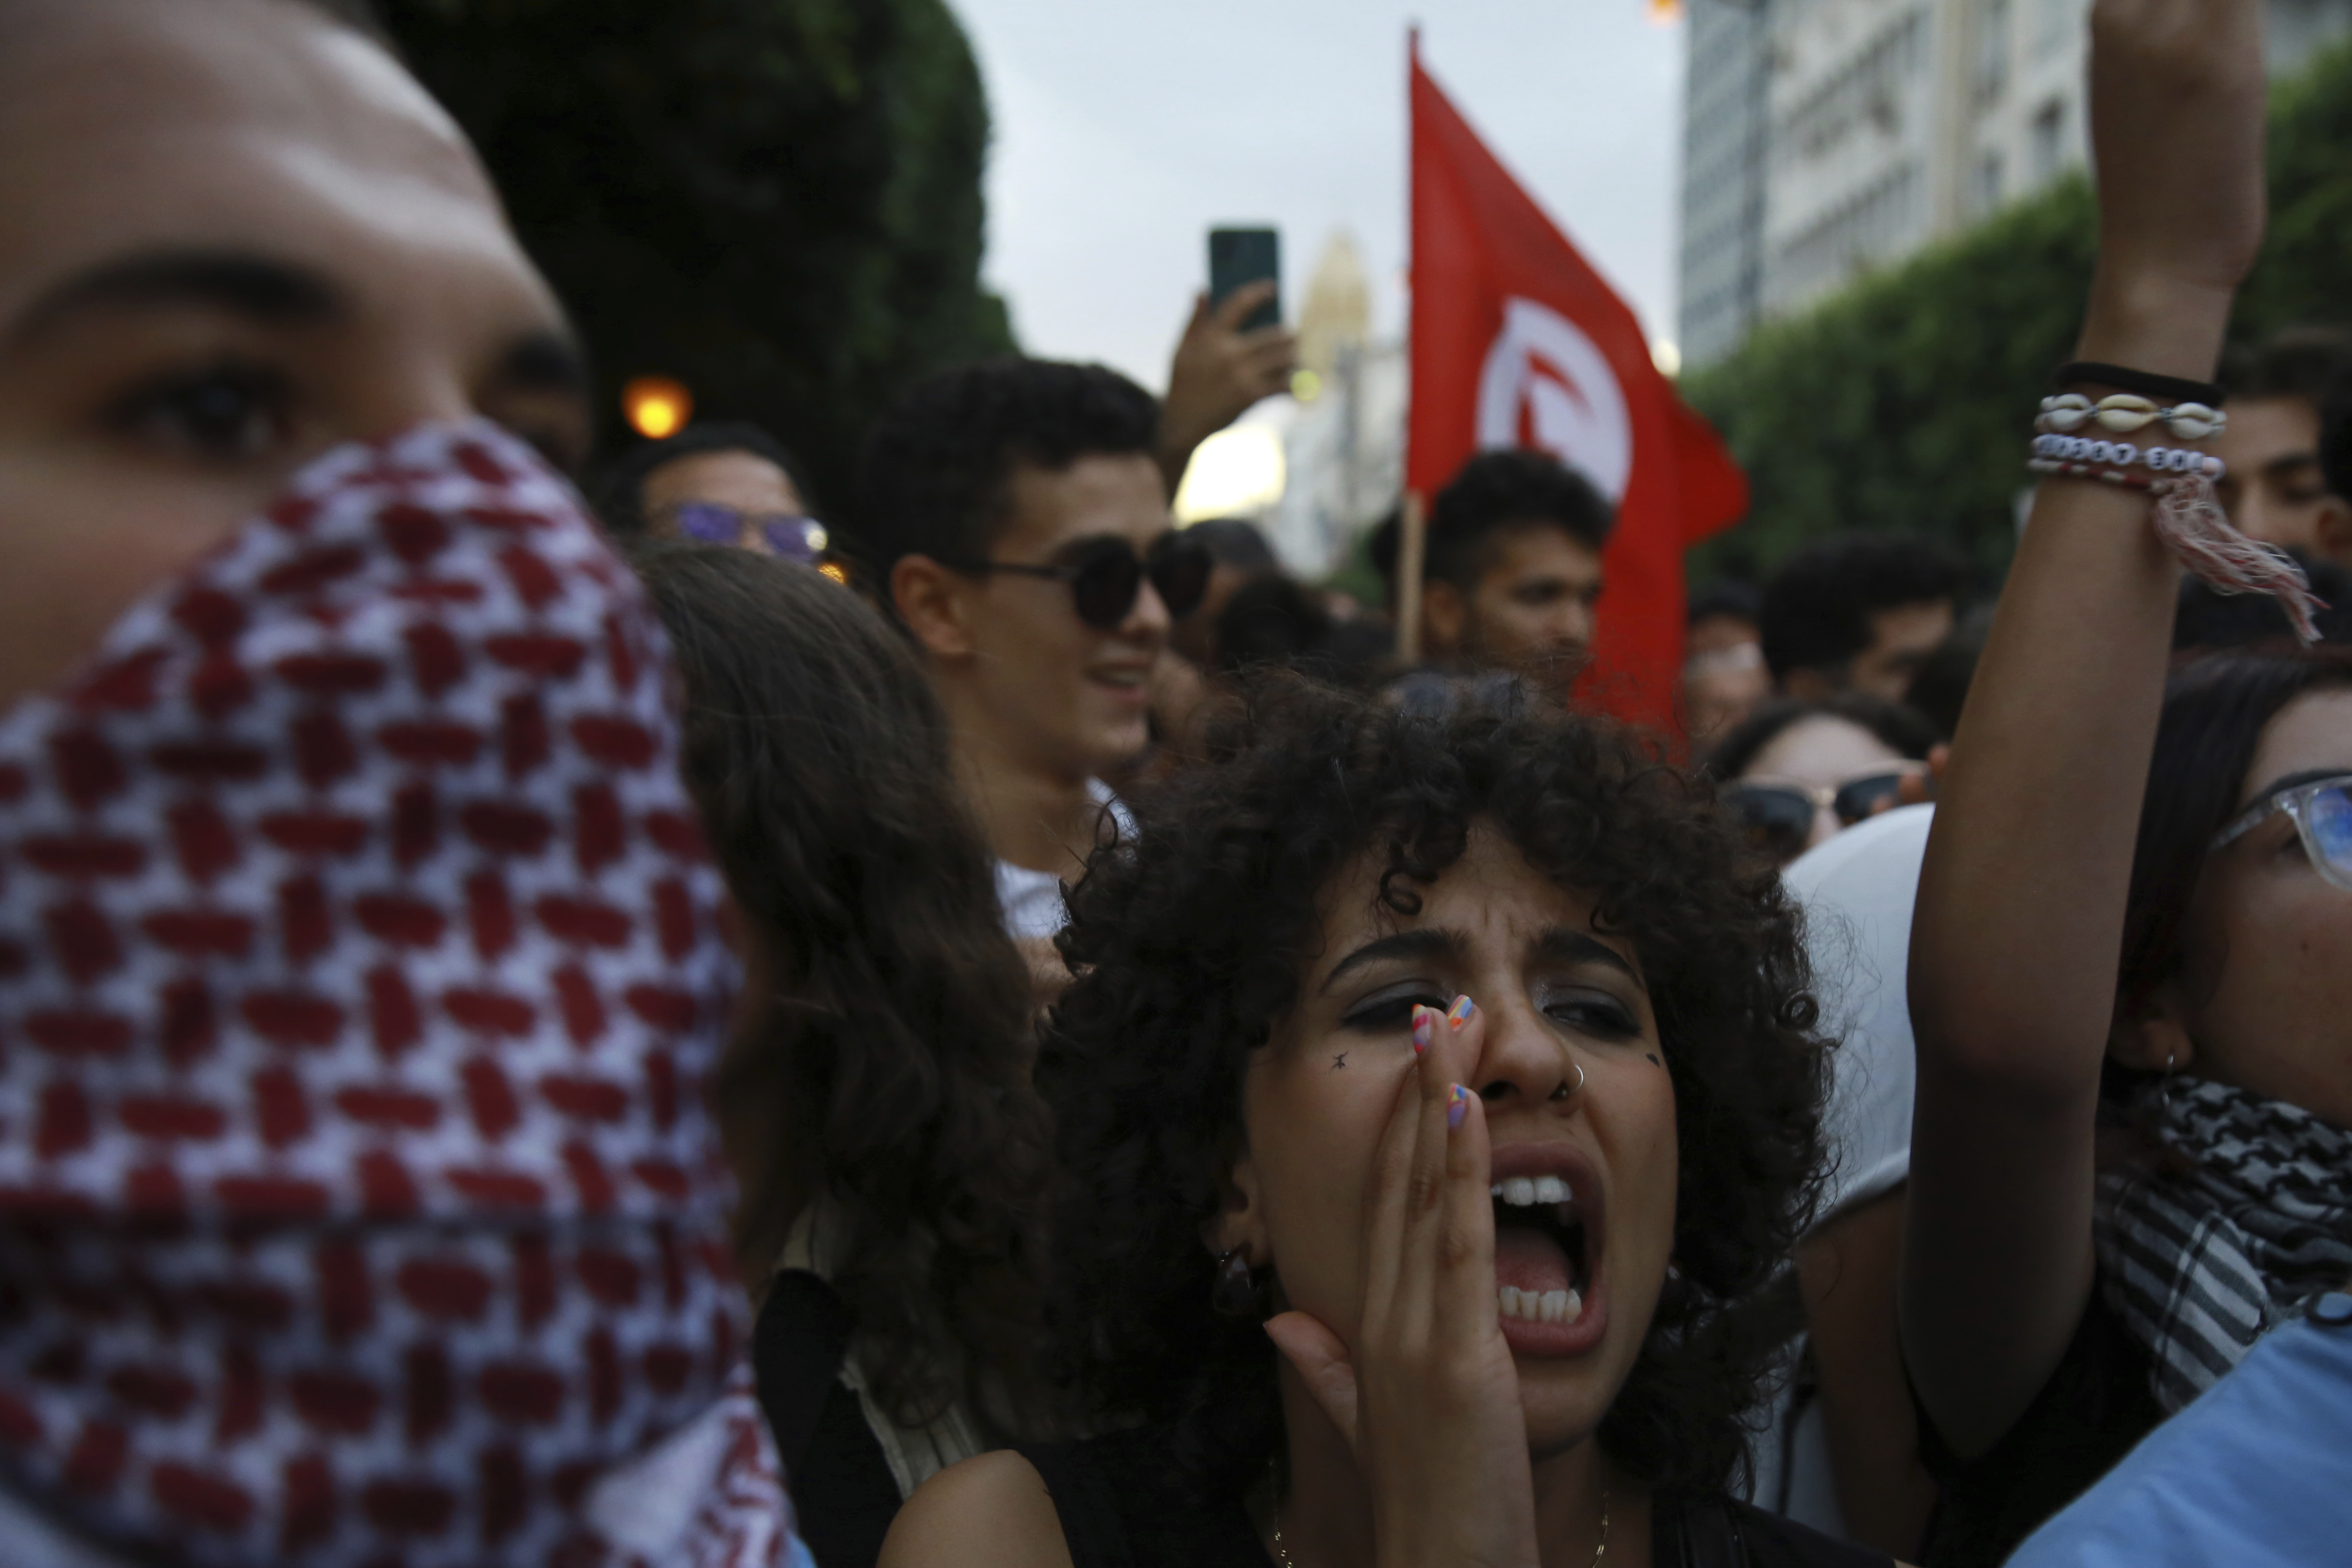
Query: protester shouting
x=1012, y=520
x=875, y=1097
x=356, y=1200
x=2055, y=1305
x=1429, y=1087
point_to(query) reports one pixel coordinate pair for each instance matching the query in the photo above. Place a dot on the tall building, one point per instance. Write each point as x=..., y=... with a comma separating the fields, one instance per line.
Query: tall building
x=1886, y=124
x=1724, y=141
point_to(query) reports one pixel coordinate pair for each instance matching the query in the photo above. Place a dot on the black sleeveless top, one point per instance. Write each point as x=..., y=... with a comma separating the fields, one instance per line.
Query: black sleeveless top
x=843, y=1496
x=2091, y=1413
x=1120, y=1507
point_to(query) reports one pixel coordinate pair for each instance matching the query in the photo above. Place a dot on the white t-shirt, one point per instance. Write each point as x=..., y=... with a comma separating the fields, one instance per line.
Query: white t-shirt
x=1857, y=891
x=1033, y=900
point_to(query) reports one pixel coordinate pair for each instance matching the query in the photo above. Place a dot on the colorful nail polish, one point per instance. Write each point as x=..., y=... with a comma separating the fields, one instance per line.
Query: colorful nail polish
x=1459, y=1014
x=1425, y=1026
x=1459, y=1108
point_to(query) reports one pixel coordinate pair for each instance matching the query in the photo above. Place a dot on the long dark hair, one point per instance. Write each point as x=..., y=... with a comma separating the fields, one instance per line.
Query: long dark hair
x=2215, y=710
x=1188, y=942
x=889, y=1072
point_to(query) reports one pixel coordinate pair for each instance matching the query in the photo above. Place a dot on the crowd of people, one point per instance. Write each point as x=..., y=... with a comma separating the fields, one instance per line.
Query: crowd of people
x=998, y=1030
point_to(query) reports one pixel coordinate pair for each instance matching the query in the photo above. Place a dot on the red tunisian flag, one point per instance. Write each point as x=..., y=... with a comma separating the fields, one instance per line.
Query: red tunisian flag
x=1517, y=343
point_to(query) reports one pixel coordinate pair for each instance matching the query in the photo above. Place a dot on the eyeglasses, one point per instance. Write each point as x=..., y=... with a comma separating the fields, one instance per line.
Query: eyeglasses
x=2322, y=811
x=1778, y=813
x=793, y=537
x=1106, y=576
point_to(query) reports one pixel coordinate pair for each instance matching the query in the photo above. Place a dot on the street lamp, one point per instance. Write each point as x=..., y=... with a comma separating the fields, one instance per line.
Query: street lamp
x=657, y=405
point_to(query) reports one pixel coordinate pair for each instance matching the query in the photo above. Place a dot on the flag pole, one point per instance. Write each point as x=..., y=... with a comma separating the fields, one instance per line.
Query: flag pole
x=1413, y=547
x=1413, y=526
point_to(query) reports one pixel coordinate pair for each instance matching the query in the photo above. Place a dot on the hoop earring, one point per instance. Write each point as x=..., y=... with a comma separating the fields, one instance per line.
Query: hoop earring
x=1234, y=1295
x=1563, y=1092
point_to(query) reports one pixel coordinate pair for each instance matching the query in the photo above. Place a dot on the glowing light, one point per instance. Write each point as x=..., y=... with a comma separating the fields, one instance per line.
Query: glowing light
x=1237, y=472
x=836, y=571
x=1665, y=12
x=656, y=406
x=1306, y=385
x=1667, y=355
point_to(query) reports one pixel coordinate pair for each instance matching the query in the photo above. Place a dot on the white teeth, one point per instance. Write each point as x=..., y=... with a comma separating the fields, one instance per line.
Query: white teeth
x=1526, y=1192
x=1541, y=1306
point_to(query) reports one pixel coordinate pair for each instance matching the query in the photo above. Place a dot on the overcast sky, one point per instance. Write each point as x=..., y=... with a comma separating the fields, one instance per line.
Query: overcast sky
x=1124, y=129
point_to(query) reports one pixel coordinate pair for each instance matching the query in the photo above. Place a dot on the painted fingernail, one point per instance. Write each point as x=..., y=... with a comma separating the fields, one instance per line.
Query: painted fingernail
x=1424, y=1026
x=1459, y=1014
x=1460, y=1107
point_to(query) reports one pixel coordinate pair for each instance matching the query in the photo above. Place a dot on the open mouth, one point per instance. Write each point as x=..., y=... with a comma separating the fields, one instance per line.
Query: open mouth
x=1544, y=1250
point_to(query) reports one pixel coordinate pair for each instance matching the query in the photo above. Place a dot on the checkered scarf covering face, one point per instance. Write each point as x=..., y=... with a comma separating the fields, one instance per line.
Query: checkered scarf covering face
x=2202, y=1264
x=358, y=976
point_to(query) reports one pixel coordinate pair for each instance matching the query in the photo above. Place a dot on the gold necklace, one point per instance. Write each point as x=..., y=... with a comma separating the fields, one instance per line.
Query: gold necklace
x=1282, y=1553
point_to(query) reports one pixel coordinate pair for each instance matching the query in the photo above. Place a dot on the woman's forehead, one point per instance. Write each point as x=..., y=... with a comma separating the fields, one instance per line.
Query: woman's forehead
x=1491, y=894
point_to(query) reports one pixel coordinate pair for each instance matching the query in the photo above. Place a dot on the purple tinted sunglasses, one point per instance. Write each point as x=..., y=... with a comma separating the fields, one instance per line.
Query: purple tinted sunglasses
x=801, y=539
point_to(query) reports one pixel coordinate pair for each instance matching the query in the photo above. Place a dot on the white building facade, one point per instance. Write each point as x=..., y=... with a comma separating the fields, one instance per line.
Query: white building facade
x=1888, y=125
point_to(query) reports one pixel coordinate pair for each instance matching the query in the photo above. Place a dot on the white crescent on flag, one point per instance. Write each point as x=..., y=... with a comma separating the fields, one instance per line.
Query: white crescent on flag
x=1542, y=363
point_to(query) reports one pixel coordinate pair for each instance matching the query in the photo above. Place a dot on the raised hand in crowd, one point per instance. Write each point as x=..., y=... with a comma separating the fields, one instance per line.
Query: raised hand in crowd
x=1219, y=370
x=2058, y=845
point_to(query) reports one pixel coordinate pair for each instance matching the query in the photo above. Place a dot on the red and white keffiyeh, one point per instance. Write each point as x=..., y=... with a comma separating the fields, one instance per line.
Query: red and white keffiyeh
x=359, y=972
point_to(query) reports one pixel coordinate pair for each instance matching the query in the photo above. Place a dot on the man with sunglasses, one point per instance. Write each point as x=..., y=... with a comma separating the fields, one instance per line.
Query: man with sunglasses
x=1013, y=520
x=722, y=483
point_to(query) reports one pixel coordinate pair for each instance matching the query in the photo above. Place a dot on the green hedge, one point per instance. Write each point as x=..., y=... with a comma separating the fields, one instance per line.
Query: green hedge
x=1905, y=401
x=776, y=201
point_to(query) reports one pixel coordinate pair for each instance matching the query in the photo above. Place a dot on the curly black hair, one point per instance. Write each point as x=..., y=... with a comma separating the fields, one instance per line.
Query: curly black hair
x=934, y=478
x=890, y=1071
x=1190, y=940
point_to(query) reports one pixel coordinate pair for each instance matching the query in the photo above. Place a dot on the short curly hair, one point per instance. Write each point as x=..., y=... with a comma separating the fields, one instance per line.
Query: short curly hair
x=934, y=478
x=1190, y=939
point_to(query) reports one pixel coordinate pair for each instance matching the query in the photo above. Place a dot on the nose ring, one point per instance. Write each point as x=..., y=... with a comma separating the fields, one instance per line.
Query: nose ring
x=1563, y=1092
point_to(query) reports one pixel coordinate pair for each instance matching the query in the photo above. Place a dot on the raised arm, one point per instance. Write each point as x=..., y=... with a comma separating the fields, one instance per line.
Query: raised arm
x=2019, y=922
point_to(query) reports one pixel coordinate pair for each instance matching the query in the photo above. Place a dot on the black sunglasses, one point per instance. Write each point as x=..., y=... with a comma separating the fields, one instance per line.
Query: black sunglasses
x=1106, y=576
x=1778, y=815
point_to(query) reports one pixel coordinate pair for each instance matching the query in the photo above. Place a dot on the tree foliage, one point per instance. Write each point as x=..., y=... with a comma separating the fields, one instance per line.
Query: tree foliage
x=776, y=202
x=1906, y=401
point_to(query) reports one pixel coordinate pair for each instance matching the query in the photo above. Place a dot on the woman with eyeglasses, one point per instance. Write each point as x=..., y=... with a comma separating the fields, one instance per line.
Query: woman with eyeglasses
x=1798, y=773
x=2131, y=963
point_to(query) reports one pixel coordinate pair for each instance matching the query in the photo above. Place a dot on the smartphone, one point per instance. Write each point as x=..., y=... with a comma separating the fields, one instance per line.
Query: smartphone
x=1239, y=256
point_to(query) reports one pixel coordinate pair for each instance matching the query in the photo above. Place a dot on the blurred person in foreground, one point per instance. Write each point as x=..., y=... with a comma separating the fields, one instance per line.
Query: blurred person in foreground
x=1724, y=676
x=2135, y=915
x=1798, y=773
x=1860, y=612
x=1014, y=520
x=2277, y=490
x=874, y=1098
x=357, y=1200
x=719, y=483
x=1511, y=568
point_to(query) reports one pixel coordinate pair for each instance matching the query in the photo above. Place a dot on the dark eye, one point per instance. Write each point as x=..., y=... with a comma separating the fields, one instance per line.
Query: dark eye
x=1591, y=1012
x=223, y=414
x=1391, y=1011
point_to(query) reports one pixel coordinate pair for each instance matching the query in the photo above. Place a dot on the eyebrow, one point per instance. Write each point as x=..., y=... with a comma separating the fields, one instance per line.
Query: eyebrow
x=1562, y=945
x=1428, y=941
x=258, y=287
